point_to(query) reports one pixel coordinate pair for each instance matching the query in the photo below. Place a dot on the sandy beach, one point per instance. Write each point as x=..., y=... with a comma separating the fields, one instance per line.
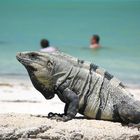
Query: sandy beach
x=23, y=126
x=70, y=27
x=23, y=114
x=19, y=96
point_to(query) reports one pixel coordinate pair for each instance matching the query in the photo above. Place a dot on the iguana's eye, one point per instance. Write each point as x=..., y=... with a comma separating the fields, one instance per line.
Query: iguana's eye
x=32, y=55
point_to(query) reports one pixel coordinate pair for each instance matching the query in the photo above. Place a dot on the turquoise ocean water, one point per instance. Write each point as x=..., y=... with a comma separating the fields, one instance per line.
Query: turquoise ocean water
x=69, y=24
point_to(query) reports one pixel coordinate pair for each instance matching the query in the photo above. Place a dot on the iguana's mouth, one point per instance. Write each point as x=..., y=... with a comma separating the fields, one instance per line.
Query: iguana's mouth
x=26, y=62
x=22, y=60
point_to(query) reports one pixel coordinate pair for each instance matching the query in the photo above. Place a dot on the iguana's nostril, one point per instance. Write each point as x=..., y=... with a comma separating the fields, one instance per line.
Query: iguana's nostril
x=18, y=54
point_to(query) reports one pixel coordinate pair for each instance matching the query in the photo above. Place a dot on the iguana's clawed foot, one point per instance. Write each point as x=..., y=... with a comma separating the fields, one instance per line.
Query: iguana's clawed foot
x=50, y=115
x=58, y=117
x=64, y=118
x=132, y=125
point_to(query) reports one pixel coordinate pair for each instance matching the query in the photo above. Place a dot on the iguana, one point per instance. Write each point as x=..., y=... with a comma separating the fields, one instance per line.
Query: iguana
x=84, y=87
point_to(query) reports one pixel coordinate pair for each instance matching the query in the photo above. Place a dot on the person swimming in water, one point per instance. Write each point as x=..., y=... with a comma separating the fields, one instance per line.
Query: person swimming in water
x=45, y=46
x=94, y=44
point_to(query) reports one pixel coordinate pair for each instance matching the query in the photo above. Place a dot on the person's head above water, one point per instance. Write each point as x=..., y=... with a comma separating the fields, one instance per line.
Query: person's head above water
x=44, y=43
x=95, y=39
x=94, y=43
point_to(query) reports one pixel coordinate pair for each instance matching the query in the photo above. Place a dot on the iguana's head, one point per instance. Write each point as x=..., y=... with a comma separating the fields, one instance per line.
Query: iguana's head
x=40, y=67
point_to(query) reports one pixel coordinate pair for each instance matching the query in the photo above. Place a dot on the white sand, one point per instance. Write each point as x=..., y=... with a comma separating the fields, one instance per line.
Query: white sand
x=19, y=96
x=26, y=126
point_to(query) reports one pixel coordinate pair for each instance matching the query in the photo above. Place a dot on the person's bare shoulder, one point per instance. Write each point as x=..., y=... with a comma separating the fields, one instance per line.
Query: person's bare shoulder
x=95, y=46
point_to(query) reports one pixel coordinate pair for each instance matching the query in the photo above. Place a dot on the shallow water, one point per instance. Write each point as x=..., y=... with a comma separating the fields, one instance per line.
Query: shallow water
x=69, y=25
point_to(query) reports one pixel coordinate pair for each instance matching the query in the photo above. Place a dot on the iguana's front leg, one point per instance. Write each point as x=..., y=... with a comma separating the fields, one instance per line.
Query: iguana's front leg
x=71, y=107
x=66, y=108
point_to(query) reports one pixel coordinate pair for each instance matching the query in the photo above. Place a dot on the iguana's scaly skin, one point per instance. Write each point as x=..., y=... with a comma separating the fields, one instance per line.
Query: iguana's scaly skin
x=84, y=87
